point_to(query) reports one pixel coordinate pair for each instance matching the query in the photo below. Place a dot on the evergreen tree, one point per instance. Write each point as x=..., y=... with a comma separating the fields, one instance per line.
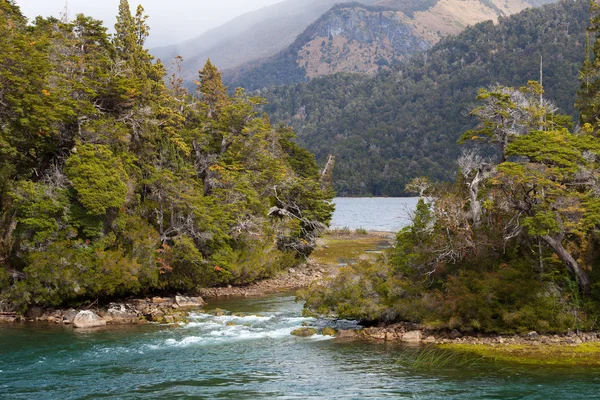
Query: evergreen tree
x=588, y=96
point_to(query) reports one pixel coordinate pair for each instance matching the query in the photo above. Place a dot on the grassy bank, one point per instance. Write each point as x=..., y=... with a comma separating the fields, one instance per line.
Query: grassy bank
x=586, y=354
x=341, y=247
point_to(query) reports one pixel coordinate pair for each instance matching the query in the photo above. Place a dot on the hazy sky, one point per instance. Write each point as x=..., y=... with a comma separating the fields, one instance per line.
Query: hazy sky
x=171, y=21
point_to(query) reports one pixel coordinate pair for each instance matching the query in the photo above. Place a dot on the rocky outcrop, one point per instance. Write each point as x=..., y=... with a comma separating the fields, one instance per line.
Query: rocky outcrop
x=88, y=319
x=365, y=38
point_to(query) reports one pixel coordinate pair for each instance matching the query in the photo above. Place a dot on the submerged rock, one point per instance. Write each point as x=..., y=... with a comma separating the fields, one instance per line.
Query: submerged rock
x=88, y=319
x=304, y=332
x=219, y=313
x=347, y=333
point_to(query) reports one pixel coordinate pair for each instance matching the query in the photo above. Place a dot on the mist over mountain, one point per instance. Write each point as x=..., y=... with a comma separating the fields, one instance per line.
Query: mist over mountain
x=362, y=38
x=252, y=36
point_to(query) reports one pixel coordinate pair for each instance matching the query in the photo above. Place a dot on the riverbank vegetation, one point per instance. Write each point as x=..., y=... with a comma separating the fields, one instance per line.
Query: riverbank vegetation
x=513, y=245
x=115, y=181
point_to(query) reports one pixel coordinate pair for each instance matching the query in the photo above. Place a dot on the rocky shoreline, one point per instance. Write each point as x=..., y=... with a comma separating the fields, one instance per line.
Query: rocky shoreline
x=413, y=334
x=165, y=310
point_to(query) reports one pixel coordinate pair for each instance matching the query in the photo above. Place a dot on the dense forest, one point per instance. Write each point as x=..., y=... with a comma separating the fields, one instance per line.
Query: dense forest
x=115, y=181
x=513, y=245
x=405, y=122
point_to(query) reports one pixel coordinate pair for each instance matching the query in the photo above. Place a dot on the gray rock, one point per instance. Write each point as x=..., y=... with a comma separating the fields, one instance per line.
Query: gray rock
x=412, y=337
x=189, y=302
x=88, y=319
x=69, y=316
x=429, y=340
x=455, y=334
x=533, y=335
x=119, y=314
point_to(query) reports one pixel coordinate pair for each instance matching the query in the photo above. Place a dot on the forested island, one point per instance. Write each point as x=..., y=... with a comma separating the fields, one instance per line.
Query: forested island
x=513, y=245
x=114, y=181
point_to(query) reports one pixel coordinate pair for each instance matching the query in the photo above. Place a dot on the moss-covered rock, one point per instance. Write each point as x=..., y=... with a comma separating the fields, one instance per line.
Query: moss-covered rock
x=327, y=331
x=304, y=332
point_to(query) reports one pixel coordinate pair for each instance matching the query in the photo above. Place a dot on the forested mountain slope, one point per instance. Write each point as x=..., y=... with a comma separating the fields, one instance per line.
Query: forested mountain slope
x=365, y=39
x=404, y=122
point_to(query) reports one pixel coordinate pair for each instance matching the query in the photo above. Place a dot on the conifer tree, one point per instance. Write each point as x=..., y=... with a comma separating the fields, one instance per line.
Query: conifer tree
x=211, y=88
x=588, y=96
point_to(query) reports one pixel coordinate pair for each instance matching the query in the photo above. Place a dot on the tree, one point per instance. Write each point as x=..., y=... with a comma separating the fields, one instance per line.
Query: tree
x=554, y=191
x=588, y=96
x=509, y=113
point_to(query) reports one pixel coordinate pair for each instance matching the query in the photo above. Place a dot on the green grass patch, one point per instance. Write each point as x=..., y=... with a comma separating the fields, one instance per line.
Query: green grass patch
x=432, y=357
x=336, y=250
x=587, y=354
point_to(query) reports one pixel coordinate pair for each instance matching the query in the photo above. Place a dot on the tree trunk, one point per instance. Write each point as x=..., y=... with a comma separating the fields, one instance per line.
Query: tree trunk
x=569, y=262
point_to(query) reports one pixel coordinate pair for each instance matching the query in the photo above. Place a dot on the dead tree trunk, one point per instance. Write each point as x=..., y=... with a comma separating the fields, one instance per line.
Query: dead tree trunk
x=327, y=173
x=570, y=263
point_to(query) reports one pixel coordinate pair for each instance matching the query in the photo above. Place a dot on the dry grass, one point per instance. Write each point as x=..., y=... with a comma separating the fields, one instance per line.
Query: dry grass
x=346, y=249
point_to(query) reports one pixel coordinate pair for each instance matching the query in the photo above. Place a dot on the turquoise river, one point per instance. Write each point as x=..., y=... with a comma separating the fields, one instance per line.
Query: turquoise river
x=253, y=356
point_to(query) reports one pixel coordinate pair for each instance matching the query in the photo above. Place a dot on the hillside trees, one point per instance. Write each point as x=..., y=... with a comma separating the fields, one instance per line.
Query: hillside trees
x=115, y=183
x=405, y=122
x=507, y=247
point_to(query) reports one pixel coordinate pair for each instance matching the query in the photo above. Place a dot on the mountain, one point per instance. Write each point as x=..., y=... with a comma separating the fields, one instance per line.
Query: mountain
x=365, y=39
x=252, y=36
x=405, y=121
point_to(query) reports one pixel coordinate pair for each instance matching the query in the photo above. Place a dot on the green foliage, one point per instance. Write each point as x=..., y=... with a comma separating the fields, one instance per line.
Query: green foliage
x=40, y=210
x=98, y=177
x=115, y=184
x=509, y=248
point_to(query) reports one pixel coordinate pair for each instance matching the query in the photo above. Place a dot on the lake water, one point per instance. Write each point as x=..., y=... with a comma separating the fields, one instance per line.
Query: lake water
x=253, y=356
x=373, y=213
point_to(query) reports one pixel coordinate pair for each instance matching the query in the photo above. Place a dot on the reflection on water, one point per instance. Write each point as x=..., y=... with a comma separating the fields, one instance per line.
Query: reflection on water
x=251, y=355
x=373, y=213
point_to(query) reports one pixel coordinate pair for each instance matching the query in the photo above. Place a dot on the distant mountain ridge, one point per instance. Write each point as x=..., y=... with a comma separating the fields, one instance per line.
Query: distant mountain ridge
x=405, y=121
x=362, y=38
x=252, y=36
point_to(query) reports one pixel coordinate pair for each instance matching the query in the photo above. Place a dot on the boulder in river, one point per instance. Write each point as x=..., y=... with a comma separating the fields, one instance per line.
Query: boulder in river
x=88, y=319
x=304, y=332
x=327, y=331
